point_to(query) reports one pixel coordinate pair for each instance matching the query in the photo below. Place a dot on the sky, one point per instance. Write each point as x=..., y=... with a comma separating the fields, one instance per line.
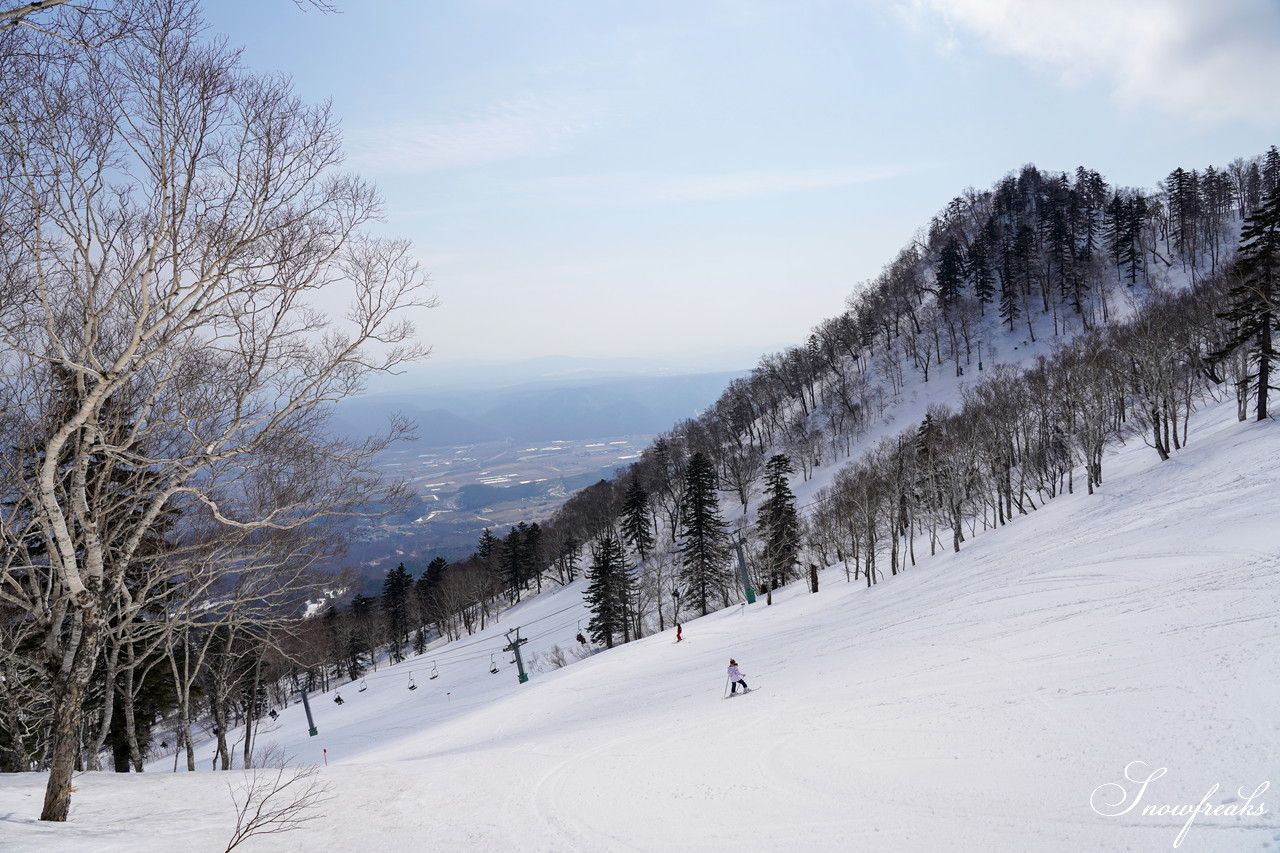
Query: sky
x=703, y=182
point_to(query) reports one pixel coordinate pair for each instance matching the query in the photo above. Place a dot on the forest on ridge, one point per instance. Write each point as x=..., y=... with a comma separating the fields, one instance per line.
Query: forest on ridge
x=1077, y=314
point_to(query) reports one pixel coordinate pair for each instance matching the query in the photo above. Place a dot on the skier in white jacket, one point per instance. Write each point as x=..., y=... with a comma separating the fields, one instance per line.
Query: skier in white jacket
x=735, y=678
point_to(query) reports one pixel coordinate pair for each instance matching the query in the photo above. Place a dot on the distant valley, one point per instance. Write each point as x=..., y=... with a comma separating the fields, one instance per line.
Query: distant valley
x=495, y=457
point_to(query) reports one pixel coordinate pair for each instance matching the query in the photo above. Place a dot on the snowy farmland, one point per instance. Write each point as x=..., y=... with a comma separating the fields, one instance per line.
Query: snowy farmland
x=1011, y=697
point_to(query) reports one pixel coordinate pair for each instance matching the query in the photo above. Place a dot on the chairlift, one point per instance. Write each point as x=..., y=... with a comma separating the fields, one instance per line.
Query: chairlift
x=493, y=664
x=412, y=685
x=363, y=686
x=435, y=673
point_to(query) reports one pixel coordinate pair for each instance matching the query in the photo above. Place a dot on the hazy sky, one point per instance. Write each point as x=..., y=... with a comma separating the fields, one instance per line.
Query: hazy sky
x=652, y=177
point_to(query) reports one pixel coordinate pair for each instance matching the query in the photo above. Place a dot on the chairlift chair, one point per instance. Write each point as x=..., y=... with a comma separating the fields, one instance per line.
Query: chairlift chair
x=493, y=664
x=412, y=685
x=363, y=686
x=435, y=673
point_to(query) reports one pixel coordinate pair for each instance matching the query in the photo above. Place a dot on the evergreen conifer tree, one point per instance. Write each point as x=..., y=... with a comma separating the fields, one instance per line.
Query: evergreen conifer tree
x=1270, y=172
x=531, y=556
x=428, y=587
x=1253, y=311
x=1139, y=211
x=1057, y=241
x=358, y=644
x=1115, y=228
x=1183, y=192
x=1091, y=191
x=608, y=591
x=636, y=525
x=395, y=608
x=1009, y=306
x=950, y=274
x=704, y=545
x=513, y=561
x=978, y=263
x=487, y=546
x=779, y=523
x=1023, y=252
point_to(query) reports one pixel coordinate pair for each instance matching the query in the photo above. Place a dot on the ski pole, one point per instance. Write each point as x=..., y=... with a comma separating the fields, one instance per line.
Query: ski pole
x=726, y=688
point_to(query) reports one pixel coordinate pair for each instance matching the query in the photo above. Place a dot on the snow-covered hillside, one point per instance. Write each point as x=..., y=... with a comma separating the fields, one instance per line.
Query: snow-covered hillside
x=989, y=700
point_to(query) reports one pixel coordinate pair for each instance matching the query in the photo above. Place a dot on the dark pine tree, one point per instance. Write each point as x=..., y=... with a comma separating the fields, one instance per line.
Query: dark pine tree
x=1183, y=190
x=704, y=542
x=358, y=646
x=427, y=589
x=1139, y=211
x=531, y=556
x=429, y=583
x=978, y=263
x=950, y=274
x=608, y=591
x=636, y=521
x=1091, y=192
x=1250, y=189
x=1253, y=314
x=1269, y=175
x=1056, y=238
x=513, y=561
x=487, y=548
x=1024, y=251
x=395, y=604
x=1010, y=303
x=1116, y=229
x=1123, y=224
x=779, y=524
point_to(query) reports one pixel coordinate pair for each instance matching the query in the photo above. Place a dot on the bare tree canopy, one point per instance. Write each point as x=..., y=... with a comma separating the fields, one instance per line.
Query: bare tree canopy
x=167, y=374
x=18, y=16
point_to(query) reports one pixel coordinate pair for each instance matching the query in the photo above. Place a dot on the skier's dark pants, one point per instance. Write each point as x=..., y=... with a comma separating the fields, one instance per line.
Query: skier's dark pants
x=733, y=688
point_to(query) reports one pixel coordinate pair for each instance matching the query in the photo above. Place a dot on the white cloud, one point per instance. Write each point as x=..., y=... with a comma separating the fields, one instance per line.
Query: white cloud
x=1209, y=60
x=629, y=188
x=532, y=127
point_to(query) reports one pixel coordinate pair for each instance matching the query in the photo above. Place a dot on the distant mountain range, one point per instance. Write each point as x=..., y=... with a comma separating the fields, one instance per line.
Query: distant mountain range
x=476, y=375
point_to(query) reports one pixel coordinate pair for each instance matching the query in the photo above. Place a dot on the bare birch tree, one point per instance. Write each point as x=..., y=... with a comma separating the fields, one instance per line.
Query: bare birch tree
x=169, y=222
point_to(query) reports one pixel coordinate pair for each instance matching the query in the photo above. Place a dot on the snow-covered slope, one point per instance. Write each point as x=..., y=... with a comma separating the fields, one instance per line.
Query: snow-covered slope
x=991, y=700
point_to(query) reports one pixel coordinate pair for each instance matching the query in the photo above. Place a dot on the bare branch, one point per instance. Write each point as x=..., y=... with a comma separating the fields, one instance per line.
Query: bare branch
x=276, y=801
x=14, y=17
